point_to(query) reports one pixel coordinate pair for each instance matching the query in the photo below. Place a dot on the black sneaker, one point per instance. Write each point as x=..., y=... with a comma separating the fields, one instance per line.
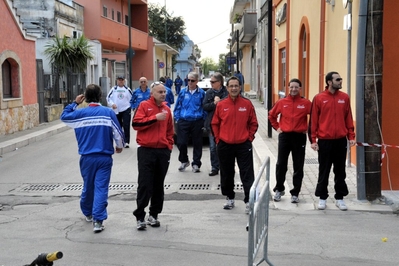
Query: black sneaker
x=98, y=226
x=141, y=225
x=213, y=172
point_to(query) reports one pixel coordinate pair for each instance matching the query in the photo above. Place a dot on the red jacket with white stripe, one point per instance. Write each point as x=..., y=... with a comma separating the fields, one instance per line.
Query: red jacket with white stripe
x=331, y=117
x=234, y=122
x=152, y=133
x=293, y=111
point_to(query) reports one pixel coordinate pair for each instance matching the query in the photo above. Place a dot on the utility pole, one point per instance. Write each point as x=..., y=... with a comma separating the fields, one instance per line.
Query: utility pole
x=166, y=42
x=269, y=62
x=372, y=99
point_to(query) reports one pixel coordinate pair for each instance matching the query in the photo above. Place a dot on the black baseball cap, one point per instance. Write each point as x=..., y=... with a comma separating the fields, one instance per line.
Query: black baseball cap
x=120, y=77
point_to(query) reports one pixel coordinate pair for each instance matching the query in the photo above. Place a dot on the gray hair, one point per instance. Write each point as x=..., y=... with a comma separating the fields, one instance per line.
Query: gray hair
x=218, y=77
x=193, y=74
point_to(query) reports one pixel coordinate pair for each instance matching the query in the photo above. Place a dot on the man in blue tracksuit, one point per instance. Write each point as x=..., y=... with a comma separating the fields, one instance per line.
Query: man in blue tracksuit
x=96, y=127
x=170, y=98
x=178, y=84
x=189, y=116
x=140, y=94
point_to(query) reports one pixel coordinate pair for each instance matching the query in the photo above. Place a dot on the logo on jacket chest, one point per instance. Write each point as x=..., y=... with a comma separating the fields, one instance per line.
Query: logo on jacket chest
x=242, y=109
x=301, y=106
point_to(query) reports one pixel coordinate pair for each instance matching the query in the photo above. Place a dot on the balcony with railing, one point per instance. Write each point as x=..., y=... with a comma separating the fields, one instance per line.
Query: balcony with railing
x=116, y=35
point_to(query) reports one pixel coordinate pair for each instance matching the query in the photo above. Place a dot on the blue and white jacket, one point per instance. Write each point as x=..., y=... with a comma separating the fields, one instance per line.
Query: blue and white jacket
x=189, y=105
x=139, y=96
x=96, y=127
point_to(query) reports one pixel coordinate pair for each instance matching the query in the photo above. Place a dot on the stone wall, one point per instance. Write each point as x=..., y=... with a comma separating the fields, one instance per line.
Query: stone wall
x=18, y=119
x=53, y=112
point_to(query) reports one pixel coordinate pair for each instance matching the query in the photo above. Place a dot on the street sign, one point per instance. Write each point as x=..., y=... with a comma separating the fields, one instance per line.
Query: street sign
x=230, y=60
x=161, y=64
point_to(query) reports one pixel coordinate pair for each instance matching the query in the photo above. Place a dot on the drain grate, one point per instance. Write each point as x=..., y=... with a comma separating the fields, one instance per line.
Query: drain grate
x=121, y=187
x=41, y=187
x=73, y=187
x=311, y=161
x=166, y=186
x=194, y=187
x=237, y=186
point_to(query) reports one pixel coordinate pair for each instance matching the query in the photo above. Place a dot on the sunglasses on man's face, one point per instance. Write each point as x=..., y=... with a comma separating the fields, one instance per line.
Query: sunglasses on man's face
x=214, y=81
x=191, y=80
x=338, y=79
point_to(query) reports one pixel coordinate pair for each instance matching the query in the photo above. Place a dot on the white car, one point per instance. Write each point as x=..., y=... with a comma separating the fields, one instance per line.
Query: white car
x=205, y=84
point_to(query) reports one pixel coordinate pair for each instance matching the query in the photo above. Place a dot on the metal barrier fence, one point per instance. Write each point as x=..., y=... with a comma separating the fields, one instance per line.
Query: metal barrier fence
x=258, y=224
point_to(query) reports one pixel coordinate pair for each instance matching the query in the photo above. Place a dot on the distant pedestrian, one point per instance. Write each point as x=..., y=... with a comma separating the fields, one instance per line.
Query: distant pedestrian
x=234, y=125
x=154, y=124
x=212, y=98
x=330, y=128
x=189, y=116
x=178, y=84
x=96, y=127
x=170, y=98
x=289, y=117
x=242, y=80
x=118, y=99
x=186, y=81
x=169, y=82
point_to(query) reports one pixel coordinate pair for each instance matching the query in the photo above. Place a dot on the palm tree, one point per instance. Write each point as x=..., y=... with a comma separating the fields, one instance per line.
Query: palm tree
x=68, y=55
x=65, y=53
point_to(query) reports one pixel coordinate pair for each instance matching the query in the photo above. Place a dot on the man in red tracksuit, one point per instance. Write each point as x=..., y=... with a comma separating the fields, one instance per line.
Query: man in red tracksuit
x=234, y=125
x=331, y=125
x=291, y=126
x=153, y=122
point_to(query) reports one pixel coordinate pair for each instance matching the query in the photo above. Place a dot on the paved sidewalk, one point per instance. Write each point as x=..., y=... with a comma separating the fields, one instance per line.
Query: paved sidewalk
x=263, y=147
x=308, y=200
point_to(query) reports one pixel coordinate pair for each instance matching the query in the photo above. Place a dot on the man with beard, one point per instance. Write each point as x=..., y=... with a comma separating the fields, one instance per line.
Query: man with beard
x=331, y=125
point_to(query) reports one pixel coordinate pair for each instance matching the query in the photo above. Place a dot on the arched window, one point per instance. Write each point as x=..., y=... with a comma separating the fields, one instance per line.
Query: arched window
x=10, y=80
x=6, y=75
x=303, y=59
x=10, y=77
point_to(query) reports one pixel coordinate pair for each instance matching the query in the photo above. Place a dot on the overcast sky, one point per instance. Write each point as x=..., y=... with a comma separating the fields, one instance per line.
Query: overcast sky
x=207, y=23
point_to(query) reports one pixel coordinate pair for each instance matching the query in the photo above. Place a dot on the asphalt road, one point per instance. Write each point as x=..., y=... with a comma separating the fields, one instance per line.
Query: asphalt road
x=39, y=195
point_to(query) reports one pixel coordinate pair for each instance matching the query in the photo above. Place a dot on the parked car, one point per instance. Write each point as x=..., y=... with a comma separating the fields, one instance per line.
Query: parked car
x=204, y=84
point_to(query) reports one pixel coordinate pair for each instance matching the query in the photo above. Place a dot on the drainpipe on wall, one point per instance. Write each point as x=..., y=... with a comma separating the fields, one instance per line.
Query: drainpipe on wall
x=360, y=76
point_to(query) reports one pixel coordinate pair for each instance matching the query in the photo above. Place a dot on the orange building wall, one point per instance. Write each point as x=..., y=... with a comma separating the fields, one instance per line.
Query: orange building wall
x=390, y=115
x=26, y=51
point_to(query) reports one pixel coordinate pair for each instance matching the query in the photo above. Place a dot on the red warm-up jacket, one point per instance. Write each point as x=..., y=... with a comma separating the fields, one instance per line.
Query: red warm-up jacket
x=331, y=117
x=293, y=111
x=234, y=121
x=152, y=133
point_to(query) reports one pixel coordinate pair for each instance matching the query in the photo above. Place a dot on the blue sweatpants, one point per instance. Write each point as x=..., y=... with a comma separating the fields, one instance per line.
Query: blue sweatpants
x=96, y=174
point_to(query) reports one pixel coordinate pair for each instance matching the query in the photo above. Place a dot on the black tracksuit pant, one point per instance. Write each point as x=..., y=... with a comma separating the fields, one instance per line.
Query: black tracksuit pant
x=227, y=154
x=332, y=152
x=185, y=129
x=153, y=165
x=295, y=143
x=125, y=121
